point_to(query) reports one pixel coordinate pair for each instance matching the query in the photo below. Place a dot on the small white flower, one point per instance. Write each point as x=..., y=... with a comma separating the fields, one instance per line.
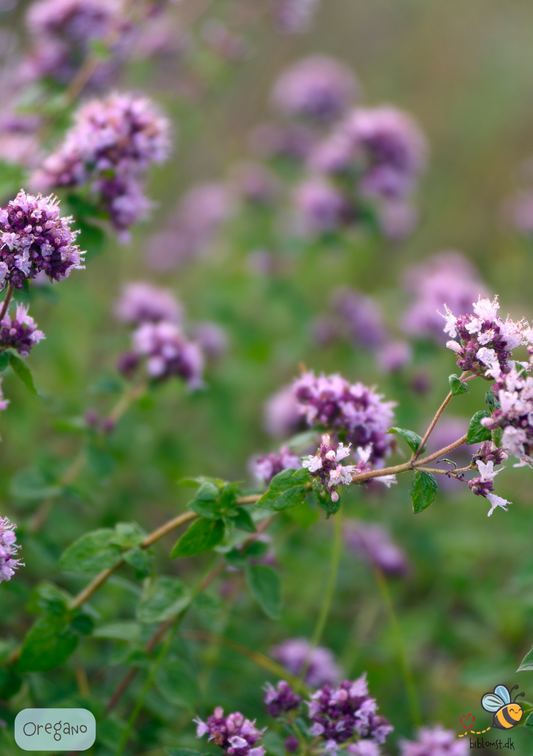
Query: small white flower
x=364, y=452
x=342, y=452
x=488, y=357
x=451, y=322
x=497, y=501
x=387, y=480
x=485, y=309
x=313, y=463
x=455, y=346
x=487, y=470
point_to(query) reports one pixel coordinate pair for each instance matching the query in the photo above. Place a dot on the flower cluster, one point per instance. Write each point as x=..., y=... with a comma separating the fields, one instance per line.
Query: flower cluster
x=435, y=741
x=295, y=16
x=346, y=713
x=280, y=699
x=445, y=277
x=9, y=549
x=281, y=414
x=266, y=467
x=296, y=654
x=372, y=158
x=353, y=411
x=483, y=485
x=514, y=415
x=236, y=735
x=62, y=30
x=159, y=336
x=19, y=332
x=318, y=88
x=326, y=466
x=34, y=239
x=109, y=148
x=373, y=543
x=482, y=341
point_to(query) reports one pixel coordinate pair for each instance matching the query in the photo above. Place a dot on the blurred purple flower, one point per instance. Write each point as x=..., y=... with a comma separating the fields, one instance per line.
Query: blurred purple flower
x=394, y=356
x=265, y=468
x=19, y=332
x=169, y=353
x=109, y=148
x=319, y=88
x=361, y=317
x=200, y=214
x=295, y=653
x=141, y=301
x=372, y=543
x=435, y=741
x=446, y=278
x=293, y=141
x=320, y=207
x=211, y=338
x=295, y=16
x=519, y=210
x=282, y=416
x=254, y=182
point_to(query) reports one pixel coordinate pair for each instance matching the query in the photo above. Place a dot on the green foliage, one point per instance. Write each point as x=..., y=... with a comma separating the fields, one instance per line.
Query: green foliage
x=203, y=535
x=162, y=598
x=103, y=548
x=265, y=586
x=527, y=663
x=287, y=489
x=457, y=386
x=215, y=499
x=412, y=438
x=48, y=644
x=477, y=432
x=23, y=372
x=423, y=490
x=324, y=500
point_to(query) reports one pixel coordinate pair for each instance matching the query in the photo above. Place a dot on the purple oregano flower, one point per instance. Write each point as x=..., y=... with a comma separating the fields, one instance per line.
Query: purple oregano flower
x=19, y=332
x=295, y=653
x=346, y=713
x=9, y=548
x=435, y=741
x=266, y=467
x=280, y=699
x=236, y=735
x=34, y=238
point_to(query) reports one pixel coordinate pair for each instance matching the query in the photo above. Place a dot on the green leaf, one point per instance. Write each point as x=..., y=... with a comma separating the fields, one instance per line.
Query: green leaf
x=178, y=683
x=412, y=438
x=163, y=598
x=48, y=644
x=50, y=599
x=527, y=663
x=4, y=360
x=202, y=536
x=287, y=489
x=243, y=521
x=265, y=585
x=423, y=490
x=458, y=386
x=529, y=723
x=140, y=560
x=33, y=484
x=127, y=631
x=92, y=552
x=23, y=372
x=477, y=432
x=324, y=500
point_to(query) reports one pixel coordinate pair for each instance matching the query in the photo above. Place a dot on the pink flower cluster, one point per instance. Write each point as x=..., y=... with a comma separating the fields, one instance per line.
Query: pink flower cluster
x=9, y=561
x=109, y=149
x=235, y=734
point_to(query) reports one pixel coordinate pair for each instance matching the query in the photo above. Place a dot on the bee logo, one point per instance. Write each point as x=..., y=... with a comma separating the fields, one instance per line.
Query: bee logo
x=507, y=713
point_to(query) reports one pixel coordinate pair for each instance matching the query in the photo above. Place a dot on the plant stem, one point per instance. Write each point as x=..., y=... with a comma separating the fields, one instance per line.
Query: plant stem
x=404, y=661
x=7, y=300
x=125, y=401
x=159, y=634
x=435, y=420
x=328, y=594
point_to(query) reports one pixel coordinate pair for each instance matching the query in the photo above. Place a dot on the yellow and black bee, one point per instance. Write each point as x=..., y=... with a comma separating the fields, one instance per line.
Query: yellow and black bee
x=507, y=713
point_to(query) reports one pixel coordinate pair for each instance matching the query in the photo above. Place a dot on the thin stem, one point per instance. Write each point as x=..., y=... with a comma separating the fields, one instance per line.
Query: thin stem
x=449, y=473
x=125, y=401
x=148, y=684
x=159, y=634
x=7, y=300
x=404, y=661
x=435, y=420
x=322, y=618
